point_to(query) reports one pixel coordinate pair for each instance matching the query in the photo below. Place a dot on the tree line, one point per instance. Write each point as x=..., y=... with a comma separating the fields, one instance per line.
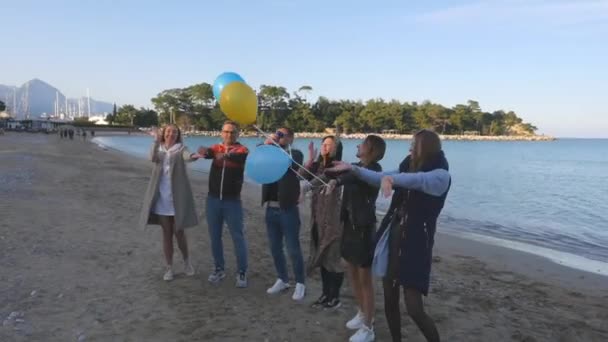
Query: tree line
x=195, y=107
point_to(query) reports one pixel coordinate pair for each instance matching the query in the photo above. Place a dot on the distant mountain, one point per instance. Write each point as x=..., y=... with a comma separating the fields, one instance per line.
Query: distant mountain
x=36, y=97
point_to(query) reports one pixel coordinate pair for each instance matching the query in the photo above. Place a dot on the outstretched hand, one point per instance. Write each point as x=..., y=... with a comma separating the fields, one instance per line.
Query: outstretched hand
x=158, y=135
x=339, y=167
x=386, y=186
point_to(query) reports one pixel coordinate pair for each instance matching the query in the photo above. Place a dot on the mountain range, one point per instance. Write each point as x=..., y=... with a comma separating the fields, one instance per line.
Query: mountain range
x=37, y=98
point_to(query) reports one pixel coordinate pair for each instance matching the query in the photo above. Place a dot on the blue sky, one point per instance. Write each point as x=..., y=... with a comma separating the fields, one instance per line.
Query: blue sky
x=546, y=60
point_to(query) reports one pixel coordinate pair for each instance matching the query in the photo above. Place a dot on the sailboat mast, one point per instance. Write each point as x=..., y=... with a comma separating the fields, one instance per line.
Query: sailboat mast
x=88, y=103
x=14, y=113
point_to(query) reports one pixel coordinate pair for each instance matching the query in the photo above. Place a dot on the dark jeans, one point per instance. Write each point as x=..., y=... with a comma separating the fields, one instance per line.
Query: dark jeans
x=284, y=224
x=231, y=212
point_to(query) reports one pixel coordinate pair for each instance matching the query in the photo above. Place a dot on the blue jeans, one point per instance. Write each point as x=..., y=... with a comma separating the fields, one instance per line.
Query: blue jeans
x=285, y=224
x=231, y=212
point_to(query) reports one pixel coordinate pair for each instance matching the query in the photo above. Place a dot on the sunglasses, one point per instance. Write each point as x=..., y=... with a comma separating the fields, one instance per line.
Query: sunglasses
x=279, y=134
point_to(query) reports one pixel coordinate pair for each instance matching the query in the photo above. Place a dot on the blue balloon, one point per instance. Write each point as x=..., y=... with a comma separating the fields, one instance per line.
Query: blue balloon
x=223, y=80
x=267, y=164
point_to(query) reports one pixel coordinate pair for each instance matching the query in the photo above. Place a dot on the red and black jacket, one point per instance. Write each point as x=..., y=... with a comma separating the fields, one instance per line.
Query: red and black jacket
x=226, y=175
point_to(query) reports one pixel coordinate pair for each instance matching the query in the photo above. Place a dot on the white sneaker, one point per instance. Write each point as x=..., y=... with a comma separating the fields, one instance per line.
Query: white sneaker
x=356, y=322
x=188, y=269
x=299, y=292
x=364, y=334
x=278, y=286
x=168, y=274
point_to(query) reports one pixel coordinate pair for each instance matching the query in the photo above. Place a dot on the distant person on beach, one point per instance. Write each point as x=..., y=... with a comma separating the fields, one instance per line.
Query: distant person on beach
x=358, y=216
x=283, y=218
x=92, y=133
x=71, y=134
x=326, y=229
x=421, y=185
x=224, y=201
x=84, y=135
x=168, y=201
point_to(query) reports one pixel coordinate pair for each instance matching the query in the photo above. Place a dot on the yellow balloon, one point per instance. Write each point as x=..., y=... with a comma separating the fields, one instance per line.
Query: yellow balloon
x=239, y=102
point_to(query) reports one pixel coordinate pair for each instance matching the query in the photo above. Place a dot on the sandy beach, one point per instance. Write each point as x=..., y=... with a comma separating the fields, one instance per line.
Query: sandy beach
x=76, y=268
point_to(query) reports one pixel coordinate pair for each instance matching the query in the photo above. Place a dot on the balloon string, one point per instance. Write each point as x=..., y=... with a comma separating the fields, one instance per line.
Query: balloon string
x=290, y=157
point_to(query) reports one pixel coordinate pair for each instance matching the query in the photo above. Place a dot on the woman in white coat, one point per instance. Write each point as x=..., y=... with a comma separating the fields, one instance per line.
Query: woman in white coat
x=169, y=201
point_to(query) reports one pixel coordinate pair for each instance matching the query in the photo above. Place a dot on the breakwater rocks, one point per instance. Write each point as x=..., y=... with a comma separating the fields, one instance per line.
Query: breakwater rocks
x=392, y=136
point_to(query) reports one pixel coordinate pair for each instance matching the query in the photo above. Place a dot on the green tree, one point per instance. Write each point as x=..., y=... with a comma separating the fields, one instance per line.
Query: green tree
x=126, y=115
x=2, y=106
x=273, y=102
x=195, y=106
x=306, y=90
x=496, y=128
x=145, y=117
x=111, y=118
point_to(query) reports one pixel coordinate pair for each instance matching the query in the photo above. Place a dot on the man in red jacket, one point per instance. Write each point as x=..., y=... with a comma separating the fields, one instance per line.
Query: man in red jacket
x=224, y=201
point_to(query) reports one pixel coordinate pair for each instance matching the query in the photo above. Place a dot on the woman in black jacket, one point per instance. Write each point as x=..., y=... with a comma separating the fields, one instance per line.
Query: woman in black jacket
x=358, y=216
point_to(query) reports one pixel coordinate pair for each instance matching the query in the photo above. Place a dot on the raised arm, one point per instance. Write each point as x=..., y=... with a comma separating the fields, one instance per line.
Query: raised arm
x=154, y=152
x=435, y=182
x=237, y=155
x=350, y=177
x=371, y=177
x=187, y=155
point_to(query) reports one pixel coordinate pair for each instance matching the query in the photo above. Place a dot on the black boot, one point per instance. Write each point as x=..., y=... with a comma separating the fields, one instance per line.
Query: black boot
x=334, y=290
x=326, y=282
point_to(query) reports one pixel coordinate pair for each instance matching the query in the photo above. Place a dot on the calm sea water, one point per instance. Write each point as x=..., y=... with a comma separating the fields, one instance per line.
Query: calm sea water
x=547, y=198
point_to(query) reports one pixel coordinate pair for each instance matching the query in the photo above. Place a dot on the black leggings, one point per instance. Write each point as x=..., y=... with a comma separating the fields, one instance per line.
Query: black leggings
x=332, y=282
x=415, y=309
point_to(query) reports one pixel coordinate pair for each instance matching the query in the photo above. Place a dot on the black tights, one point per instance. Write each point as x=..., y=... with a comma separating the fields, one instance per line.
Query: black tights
x=415, y=309
x=332, y=282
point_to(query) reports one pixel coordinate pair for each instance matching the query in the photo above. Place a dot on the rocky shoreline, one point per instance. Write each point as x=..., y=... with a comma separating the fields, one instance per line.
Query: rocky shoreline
x=391, y=136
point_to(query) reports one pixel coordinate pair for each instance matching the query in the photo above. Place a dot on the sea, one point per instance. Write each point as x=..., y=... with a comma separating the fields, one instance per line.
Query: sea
x=549, y=198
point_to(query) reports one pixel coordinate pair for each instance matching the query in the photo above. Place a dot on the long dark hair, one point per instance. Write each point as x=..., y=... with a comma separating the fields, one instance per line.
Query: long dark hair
x=337, y=155
x=429, y=144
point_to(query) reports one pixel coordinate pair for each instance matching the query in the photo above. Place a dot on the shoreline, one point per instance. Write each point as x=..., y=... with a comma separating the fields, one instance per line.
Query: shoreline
x=558, y=257
x=389, y=136
x=562, y=258
x=319, y=135
x=79, y=267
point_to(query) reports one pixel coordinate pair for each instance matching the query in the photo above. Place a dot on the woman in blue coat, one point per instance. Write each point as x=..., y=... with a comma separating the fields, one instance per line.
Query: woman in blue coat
x=421, y=185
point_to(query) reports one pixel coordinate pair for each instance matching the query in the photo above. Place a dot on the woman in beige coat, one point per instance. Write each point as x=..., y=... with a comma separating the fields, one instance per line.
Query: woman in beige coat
x=326, y=229
x=169, y=201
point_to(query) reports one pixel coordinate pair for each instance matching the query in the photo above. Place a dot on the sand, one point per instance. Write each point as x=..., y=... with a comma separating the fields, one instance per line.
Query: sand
x=75, y=268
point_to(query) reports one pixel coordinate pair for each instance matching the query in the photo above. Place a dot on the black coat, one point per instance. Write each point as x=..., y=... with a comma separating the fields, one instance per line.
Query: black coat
x=359, y=198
